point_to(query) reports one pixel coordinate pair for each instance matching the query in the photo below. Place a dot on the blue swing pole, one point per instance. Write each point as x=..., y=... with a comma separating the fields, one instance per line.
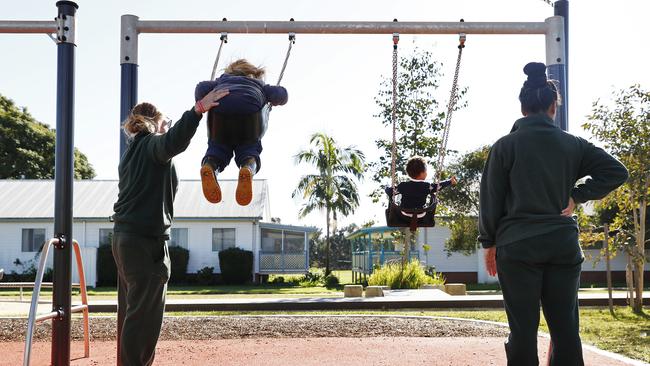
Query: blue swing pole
x=556, y=58
x=129, y=71
x=63, y=181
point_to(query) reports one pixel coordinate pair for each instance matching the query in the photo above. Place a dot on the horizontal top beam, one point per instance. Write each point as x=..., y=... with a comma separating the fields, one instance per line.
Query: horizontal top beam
x=320, y=27
x=27, y=26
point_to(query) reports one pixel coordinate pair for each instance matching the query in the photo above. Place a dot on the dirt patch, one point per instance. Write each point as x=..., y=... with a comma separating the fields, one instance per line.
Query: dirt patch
x=229, y=327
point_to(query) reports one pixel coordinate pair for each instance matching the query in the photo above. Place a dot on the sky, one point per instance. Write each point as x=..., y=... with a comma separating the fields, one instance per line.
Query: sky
x=332, y=79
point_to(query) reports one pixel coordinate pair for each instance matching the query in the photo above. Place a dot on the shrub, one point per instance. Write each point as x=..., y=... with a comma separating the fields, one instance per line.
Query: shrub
x=278, y=279
x=411, y=276
x=179, y=257
x=311, y=279
x=48, y=276
x=205, y=276
x=331, y=281
x=236, y=265
x=106, y=269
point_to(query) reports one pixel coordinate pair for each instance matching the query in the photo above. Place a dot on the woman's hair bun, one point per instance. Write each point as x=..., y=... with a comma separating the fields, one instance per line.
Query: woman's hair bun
x=536, y=72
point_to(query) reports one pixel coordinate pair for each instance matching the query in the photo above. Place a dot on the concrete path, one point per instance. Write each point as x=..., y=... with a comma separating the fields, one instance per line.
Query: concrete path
x=393, y=299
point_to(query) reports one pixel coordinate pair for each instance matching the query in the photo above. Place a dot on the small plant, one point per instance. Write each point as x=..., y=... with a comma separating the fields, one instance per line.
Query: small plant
x=411, y=275
x=28, y=270
x=311, y=279
x=277, y=280
x=331, y=281
x=205, y=275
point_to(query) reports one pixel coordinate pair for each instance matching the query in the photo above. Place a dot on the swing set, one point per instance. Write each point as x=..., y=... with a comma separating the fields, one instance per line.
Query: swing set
x=553, y=28
x=396, y=215
x=239, y=129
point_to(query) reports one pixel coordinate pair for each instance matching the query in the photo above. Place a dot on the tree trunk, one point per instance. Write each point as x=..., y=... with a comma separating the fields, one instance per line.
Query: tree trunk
x=327, y=244
x=609, y=270
x=639, y=259
x=629, y=280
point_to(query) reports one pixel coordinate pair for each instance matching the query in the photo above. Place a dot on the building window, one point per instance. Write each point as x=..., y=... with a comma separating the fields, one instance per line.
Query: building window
x=105, y=237
x=294, y=242
x=271, y=240
x=33, y=240
x=179, y=238
x=223, y=239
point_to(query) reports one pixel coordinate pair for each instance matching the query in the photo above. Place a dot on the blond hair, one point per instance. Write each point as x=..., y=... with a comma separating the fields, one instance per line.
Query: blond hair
x=242, y=67
x=143, y=117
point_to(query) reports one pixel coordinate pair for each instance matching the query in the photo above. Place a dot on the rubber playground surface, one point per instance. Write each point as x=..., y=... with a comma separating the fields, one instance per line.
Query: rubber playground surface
x=392, y=351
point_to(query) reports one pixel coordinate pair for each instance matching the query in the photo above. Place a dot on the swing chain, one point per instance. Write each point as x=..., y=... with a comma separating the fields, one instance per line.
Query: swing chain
x=453, y=99
x=292, y=41
x=394, y=116
x=224, y=39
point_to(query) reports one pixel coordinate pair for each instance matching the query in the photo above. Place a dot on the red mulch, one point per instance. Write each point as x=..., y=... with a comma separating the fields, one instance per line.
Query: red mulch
x=394, y=351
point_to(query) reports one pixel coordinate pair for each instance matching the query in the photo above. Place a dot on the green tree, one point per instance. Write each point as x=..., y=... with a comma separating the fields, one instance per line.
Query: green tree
x=333, y=188
x=461, y=201
x=420, y=115
x=624, y=128
x=340, y=248
x=27, y=147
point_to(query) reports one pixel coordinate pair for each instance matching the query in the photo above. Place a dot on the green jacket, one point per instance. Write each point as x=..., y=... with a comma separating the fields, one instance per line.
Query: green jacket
x=148, y=181
x=531, y=173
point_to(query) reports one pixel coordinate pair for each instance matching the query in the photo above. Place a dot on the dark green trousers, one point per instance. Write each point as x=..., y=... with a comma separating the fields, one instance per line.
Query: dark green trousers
x=543, y=269
x=143, y=269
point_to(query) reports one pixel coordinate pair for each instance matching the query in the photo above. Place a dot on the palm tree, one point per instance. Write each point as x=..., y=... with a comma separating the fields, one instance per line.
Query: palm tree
x=333, y=188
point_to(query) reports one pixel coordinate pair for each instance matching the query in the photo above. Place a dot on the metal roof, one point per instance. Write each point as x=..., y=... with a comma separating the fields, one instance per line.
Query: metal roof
x=94, y=199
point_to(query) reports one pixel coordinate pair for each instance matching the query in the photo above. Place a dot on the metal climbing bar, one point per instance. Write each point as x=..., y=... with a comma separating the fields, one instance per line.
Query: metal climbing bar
x=334, y=27
x=27, y=26
x=57, y=313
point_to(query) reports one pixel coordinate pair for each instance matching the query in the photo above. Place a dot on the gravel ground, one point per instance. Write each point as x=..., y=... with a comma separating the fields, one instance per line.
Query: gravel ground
x=231, y=327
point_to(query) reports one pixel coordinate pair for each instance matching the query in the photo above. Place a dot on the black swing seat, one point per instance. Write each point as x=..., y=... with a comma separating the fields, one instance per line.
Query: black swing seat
x=237, y=129
x=395, y=215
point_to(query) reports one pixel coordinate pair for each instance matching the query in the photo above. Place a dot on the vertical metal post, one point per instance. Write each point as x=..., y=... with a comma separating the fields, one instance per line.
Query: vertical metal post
x=63, y=182
x=561, y=8
x=129, y=71
x=555, y=61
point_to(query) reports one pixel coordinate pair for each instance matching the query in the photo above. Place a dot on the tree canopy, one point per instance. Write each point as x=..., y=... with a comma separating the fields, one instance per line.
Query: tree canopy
x=624, y=127
x=27, y=147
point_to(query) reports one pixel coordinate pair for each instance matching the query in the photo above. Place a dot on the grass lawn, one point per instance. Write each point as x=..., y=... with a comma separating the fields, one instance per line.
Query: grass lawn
x=627, y=334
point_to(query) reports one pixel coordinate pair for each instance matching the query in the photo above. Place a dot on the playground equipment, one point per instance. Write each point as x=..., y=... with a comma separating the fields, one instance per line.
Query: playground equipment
x=554, y=29
x=56, y=313
x=62, y=31
x=396, y=215
x=240, y=129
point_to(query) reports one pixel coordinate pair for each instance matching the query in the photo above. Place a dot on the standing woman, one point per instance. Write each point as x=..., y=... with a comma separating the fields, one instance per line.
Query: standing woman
x=528, y=194
x=143, y=216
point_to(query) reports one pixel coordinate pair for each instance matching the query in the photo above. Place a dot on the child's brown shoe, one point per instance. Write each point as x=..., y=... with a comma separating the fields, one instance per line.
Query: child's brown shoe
x=244, y=193
x=211, y=189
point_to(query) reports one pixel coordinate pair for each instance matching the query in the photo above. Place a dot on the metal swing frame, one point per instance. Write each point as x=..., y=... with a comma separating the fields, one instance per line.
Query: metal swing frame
x=553, y=28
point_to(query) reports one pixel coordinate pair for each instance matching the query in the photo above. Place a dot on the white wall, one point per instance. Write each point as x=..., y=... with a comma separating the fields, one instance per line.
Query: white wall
x=11, y=249
x=594, y=263
x=435, y=237
x=457, y=262
x=199, y=241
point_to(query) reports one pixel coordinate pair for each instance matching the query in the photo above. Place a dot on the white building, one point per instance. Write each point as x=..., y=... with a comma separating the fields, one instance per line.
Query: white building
x=27, y=220
x=468, y=268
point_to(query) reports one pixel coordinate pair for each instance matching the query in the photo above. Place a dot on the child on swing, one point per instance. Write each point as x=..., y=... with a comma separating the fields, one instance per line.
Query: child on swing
x=416, y=190
x=248, y=95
